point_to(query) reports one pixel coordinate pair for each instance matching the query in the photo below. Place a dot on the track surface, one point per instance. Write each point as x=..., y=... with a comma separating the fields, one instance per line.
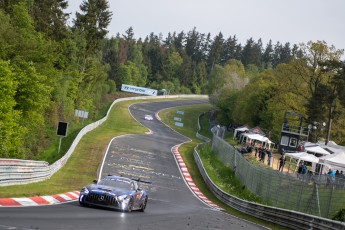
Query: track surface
x=172, y=204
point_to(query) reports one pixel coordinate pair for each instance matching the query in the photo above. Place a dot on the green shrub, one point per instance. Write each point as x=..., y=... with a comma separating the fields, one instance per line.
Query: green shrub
x=340, y=215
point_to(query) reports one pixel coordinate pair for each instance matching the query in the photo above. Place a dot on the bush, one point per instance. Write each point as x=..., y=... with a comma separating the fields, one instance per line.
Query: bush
x=340, y=215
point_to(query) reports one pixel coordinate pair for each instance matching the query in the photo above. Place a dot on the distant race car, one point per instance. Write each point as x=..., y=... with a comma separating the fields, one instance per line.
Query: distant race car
x=148, y=117
x=115, y=192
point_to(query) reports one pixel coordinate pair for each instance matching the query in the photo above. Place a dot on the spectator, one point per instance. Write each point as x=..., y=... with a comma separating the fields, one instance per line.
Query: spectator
x=269, y=155
x=282, y=163
x=260, y=152
x=262, y=156
x=331, y=176
x=303, y=170
x=299, y=171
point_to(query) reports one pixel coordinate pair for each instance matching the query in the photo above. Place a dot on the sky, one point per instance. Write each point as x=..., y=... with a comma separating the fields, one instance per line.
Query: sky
x=294, y=21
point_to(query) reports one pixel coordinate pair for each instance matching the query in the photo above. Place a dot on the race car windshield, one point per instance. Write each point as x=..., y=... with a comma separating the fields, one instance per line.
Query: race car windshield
x=116, y=183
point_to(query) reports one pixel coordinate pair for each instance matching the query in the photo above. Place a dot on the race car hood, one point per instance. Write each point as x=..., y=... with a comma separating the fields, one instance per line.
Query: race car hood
x=106, y=189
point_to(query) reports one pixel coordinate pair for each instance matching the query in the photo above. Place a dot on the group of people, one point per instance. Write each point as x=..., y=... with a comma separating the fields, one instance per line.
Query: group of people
x=302, y=170
x=333, y=176
x=261, y=153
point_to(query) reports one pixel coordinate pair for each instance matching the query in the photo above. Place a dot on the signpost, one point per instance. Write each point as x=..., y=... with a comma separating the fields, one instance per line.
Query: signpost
x=179, y=119
x=61, y=131
x=81, y=113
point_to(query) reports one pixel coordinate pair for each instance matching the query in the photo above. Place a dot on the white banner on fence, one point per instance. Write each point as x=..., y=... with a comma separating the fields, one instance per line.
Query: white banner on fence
x=140, y=90
x=81, y=113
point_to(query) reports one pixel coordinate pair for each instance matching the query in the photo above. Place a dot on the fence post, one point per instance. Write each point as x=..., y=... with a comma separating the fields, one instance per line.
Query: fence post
x=330, y=200
x=300, y=196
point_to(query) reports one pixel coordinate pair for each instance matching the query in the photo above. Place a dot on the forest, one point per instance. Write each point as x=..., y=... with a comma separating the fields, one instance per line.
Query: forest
x=49, y=68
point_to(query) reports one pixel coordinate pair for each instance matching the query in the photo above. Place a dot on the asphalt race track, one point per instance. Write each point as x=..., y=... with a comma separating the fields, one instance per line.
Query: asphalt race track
x=172, y=204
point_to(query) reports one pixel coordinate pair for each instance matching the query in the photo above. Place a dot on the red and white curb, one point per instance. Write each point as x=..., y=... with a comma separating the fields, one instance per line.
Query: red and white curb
x=39, y=200
x=189, y=180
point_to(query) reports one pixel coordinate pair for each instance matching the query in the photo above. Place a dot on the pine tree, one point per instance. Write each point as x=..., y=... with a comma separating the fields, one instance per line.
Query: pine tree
x=49, y=18
x=93, y=21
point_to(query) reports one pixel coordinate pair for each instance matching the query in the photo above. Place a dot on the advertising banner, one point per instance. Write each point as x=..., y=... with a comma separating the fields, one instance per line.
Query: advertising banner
x=139, y=90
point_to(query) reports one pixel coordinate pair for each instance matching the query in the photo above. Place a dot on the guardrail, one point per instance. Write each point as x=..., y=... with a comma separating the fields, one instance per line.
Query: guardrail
x=287, y=218
x=198, y=135
x=15, y=171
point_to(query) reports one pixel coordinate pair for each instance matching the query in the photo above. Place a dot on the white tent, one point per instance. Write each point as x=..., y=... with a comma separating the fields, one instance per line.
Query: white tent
x=315, y=148
x=240, y=129
x=336, y=159
x=258, y=137
x=303, y=156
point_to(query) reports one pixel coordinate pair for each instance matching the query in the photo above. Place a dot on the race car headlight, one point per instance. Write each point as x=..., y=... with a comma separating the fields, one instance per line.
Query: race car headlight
x=84, y=190
x=123, y=197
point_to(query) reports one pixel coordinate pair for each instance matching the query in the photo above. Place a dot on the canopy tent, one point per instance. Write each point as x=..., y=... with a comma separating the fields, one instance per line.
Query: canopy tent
x=332, y=149
x=315, y=148
x=256, y=130
x=240, y=129
x=258, y=137
x=336, y=159
x=304, y=156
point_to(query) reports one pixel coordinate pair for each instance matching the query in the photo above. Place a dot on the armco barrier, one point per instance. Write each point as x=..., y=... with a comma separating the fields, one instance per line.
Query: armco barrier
x=14, y=171
x=198, y=135
x=288, y=218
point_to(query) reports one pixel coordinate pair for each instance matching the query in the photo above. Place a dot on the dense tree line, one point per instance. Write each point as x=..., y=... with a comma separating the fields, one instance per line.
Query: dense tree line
x=49, y=68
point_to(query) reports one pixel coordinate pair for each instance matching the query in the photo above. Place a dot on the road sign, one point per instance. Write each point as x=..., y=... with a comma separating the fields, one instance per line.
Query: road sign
x=177, y=118
x=179, y=124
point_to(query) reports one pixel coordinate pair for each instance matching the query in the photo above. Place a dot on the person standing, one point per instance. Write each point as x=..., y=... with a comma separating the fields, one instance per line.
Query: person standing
x=263, y=154
x=331, y=176
x=282, y=162
x=269, y=155
x=303, y=170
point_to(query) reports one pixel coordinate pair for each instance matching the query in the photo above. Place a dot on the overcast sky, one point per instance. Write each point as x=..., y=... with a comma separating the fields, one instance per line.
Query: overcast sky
x=293, y=21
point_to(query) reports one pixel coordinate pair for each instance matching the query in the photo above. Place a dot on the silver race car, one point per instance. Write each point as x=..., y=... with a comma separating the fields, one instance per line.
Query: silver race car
x=148, y=117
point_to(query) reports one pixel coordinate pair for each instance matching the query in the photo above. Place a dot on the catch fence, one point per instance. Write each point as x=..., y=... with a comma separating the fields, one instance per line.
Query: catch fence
x=311, y=195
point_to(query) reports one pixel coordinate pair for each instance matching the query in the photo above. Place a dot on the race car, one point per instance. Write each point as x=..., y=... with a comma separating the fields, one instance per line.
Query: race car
x=115, y=192
x=148, y=117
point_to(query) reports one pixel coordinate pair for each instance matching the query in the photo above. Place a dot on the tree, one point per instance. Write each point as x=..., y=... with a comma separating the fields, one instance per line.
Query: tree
x=49, y=18
x=305, y=87
x=93, y=20
x=216, y=79
x=267, y=56
x=230, y=50
x=285, y=53
x=216, y=51
x=129, y=74
x=172, y=63
x=331, y=91
x=11, y=132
